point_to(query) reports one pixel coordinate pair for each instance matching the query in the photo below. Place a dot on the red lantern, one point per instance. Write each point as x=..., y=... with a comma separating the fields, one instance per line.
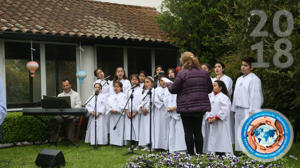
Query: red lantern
x=32, y=66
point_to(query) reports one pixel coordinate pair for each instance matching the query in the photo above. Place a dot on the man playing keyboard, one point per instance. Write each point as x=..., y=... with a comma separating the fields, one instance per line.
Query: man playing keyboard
x=65, y=122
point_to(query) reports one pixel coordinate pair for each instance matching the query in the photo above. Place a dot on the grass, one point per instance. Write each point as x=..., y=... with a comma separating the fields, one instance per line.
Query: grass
x=86, y=157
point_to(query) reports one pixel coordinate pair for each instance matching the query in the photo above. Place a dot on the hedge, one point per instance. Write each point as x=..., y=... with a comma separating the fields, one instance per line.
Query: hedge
x=19, y=128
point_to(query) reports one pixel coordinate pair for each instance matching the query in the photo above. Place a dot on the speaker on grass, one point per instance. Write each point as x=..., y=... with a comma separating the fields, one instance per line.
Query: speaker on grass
x=50, y=158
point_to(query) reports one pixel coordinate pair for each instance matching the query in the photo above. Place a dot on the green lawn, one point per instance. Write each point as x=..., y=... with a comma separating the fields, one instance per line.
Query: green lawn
x=86, y=156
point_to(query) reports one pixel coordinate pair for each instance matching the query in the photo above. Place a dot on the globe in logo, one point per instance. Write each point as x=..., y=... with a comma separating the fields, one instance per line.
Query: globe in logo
x=266, y=135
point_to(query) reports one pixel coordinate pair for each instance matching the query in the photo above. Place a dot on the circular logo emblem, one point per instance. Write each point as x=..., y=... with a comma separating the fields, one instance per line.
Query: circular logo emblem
x=267, y=135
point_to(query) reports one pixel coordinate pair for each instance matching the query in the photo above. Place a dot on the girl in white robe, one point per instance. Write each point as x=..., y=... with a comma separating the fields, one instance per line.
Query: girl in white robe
x=161, y=117
x=142, y=76
x=219, y=70
x=106, y=88
x=144, y=109
x=176, y=131
x=121, y=77
x=137, y=96
x=101, y=138
x=115, y=108
x=218, y=138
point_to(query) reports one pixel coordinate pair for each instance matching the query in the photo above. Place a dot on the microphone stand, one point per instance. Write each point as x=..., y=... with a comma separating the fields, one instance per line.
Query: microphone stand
x=150, y=113
x=131, y=125
x=96, y=97
x=123, y=110
x=93, y=96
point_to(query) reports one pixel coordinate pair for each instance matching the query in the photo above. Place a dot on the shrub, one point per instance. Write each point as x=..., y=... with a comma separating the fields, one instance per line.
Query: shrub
x=19, y=128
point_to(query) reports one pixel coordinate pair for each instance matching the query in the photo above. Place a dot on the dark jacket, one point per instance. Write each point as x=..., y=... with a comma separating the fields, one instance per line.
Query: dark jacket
x=192, y=88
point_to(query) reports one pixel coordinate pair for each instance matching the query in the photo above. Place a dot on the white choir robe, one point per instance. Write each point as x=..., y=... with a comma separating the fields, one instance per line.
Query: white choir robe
x=100, y=121
x=137, y=96
x=126, y=85
x=218, y=138
x=106, y=89
x=141, y=85
x=176, y=132
x=144, y=131
x=116, y=102
x=106, y=86
x=228, y=83
x=161, y=119
x=247, y=98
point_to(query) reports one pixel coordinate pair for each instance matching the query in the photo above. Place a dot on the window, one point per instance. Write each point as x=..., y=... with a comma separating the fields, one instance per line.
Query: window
x=138, y=60
x=21, y=89
x=109, y=58
x=167, y=58
x=60, y=64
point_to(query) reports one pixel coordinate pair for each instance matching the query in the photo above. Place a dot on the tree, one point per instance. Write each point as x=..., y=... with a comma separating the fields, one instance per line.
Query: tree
x=195, y=25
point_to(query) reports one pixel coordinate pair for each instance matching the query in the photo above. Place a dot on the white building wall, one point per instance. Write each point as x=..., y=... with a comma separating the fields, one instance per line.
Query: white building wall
x=87, y=64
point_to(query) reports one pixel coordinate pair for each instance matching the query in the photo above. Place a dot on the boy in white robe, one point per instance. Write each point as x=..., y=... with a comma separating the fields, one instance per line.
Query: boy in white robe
x=137, y=96
x=247, y=97
x=161, y=117
x=101, y=130
x=176, y=131
x=218, y=138
x=144, y=109
x=116, y=103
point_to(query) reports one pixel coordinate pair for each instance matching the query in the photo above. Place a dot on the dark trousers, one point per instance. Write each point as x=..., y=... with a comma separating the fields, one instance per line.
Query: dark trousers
x=61, y=123
x=193, y=134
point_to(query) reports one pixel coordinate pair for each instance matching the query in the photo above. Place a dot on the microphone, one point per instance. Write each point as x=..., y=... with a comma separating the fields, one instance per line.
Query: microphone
x=107, y=77
x=134, y=86
x=148, y=93
x=106, y=80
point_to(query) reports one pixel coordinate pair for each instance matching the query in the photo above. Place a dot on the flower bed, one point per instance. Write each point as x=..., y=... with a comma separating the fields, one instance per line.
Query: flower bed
x=167, y=160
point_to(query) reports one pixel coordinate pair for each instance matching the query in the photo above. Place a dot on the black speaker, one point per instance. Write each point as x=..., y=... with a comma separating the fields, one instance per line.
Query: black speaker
x=50, y=158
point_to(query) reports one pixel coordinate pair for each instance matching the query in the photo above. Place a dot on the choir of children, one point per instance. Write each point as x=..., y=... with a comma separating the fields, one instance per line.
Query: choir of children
x=121, y=102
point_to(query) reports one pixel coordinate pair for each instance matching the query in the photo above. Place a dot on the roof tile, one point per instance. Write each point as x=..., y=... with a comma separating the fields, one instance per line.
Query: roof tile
x=81, y=18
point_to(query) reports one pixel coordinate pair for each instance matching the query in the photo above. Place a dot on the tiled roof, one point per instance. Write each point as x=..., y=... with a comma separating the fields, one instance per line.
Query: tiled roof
x=81, y=18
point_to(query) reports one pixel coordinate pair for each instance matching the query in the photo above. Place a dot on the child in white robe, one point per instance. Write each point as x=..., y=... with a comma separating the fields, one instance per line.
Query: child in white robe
x=144, y=109
x=106, y=84
x=106, y=88
x=161, y=117
x=121, y=77
x=176, y=131
x=218, y=138
x=219, y=70
x=142, y=76
x=101, y=131
x=247, y=97
x=115, y=108
x=137, y=96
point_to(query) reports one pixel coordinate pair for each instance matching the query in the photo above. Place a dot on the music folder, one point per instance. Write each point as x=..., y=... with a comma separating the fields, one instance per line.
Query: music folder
x=56, y=102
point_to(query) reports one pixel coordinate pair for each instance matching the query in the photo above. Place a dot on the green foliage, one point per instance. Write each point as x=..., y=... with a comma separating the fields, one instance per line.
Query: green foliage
x=19, y=128
x=220, y=30
x=194, y=25
x=280, y=86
